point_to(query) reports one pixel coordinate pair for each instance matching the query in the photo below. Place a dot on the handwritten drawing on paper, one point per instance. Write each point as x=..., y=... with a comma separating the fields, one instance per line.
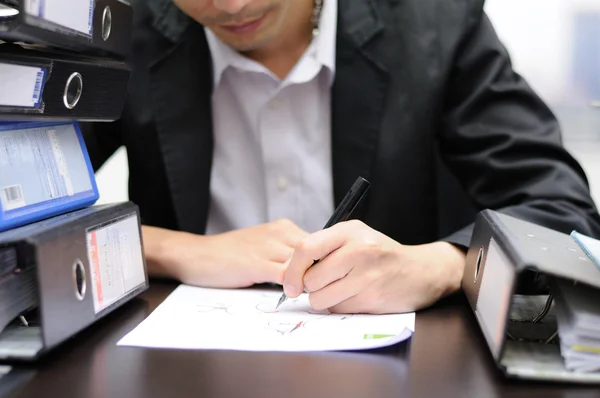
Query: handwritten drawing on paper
x=246, y=319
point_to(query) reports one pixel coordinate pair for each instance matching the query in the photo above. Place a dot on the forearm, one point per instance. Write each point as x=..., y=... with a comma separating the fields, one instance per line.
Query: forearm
x=163, y=251
x=505, y=146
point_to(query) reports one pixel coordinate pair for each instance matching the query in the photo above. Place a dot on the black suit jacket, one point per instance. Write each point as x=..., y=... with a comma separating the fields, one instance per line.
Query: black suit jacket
x=413, y=78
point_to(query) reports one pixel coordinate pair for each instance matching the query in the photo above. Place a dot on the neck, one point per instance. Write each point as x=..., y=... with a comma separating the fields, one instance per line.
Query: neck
x=282, y=53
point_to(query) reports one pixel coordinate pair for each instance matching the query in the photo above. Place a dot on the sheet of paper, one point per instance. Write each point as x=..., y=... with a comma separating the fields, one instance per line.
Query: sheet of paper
x=4, y=370
x=246, y=319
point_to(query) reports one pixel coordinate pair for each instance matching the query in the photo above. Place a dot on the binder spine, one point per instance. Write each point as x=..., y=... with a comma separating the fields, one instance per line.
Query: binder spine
x=46, y=172
x=98, y=27
x=489, y=277
x=41, y=86
x=94, y=264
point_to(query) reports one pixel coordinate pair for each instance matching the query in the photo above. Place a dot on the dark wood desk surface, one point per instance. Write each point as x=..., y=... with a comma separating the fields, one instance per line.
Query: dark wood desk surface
x=446, y=358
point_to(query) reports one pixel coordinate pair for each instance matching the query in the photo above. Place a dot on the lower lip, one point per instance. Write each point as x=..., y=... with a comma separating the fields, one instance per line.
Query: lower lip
x=245, y=29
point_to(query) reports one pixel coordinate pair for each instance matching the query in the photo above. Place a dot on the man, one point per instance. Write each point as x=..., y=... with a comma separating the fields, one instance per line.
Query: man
x=248, y=120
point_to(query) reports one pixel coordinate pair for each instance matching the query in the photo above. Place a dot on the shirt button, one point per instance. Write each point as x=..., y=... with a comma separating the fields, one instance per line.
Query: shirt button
x=282, y=183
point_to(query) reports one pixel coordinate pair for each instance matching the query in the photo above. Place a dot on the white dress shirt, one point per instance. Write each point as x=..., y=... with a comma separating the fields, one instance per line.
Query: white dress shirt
x=272, y=137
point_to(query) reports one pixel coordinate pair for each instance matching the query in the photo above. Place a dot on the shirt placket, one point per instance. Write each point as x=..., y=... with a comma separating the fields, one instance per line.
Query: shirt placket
x=278, y=141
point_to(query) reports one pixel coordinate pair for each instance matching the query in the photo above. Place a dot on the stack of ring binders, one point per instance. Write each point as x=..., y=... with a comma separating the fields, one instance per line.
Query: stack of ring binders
x=63, y=64
x=65, y=261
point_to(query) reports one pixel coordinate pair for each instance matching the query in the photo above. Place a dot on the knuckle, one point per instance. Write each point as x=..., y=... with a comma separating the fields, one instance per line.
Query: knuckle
x=371, y=246
x=285, y=223
x=279, y=225
x=369, y=250
x=304, y=246
x=355, y=224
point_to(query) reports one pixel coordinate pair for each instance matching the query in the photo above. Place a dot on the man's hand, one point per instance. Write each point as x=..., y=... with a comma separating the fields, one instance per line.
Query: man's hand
x=361, y=270
x=233, y=259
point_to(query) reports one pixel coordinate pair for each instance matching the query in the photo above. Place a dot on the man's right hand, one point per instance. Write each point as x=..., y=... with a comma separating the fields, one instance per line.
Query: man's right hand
x=232, y=259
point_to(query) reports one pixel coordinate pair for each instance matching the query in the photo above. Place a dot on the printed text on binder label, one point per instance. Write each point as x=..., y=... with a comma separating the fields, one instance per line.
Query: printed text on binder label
x=21, y=86
x=115, y=258
x=79, y=17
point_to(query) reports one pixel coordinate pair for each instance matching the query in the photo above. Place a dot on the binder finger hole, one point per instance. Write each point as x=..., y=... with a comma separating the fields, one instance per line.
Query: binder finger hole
x=106, y=23
x=73, y=90
x=478, y=264
x=79, y=280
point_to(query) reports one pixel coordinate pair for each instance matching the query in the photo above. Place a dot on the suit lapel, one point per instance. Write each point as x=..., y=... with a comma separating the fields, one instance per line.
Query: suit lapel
x=181, y=81
x=358, y=96
x=181, y=78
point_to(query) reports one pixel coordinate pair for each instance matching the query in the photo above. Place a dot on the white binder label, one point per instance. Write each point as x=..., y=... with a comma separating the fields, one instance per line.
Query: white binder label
x=21, y=85
x=77, y=15
x=116, y=262
x=41, y=164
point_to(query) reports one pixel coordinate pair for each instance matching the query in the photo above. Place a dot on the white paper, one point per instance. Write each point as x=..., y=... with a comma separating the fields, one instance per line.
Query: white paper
x=4, y=370
x=246, y=319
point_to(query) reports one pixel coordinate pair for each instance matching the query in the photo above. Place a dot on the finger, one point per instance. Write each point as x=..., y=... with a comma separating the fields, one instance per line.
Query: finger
x=288, y=232
x=271, y=271
x=336, y=292
x=294, y=235
x=281, y=253
x=333, y=267
x=353, y=305
x=315, y=246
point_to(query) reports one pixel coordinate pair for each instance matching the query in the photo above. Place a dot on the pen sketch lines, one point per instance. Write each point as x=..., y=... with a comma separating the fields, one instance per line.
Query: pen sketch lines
x=288, y=320
x=270, y=307
x=286, y=328
x=214, y=307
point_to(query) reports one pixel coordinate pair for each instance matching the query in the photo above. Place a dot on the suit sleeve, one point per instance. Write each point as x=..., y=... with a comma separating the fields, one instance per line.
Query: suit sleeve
x=504, y=144
x=102, y=139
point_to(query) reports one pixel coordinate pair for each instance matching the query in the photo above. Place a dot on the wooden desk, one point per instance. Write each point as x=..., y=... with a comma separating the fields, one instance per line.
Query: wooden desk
x=446, y=358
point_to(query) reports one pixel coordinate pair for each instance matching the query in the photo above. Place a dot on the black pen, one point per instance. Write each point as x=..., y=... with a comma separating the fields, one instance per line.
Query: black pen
x=343, y=211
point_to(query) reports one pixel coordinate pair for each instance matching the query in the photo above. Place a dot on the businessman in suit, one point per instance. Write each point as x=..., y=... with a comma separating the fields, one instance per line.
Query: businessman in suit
x=248, y=120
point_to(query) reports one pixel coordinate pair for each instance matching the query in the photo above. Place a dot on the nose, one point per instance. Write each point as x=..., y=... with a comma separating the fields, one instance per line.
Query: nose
x=231, y=6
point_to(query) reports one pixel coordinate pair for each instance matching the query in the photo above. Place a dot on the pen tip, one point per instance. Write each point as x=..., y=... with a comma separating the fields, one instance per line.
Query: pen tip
x=281, y=300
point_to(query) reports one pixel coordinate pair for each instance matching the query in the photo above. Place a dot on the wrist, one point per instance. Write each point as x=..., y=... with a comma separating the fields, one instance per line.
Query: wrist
x=453, y=260
x=166, y=251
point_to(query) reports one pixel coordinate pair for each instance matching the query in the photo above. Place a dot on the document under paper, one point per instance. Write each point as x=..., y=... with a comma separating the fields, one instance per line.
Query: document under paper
x=578, y=316
x=246, y=319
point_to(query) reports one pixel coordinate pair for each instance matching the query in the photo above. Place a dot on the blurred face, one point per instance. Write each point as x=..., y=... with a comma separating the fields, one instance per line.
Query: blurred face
x=245, y=25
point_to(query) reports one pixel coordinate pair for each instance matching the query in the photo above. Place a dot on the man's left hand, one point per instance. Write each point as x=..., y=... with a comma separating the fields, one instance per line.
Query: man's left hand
x=361, y=270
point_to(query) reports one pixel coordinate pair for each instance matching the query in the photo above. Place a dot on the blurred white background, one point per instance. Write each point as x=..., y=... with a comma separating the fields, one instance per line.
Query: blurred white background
x=554, y=44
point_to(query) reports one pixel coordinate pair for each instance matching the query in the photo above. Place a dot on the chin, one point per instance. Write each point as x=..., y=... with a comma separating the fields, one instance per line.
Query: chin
x=250, y=44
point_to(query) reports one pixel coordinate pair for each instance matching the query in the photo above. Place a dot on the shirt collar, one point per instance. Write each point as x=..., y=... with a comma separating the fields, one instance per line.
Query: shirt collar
x=223, y=56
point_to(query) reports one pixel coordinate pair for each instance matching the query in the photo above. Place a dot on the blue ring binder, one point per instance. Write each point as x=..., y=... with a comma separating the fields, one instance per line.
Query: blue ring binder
x=38, y=211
